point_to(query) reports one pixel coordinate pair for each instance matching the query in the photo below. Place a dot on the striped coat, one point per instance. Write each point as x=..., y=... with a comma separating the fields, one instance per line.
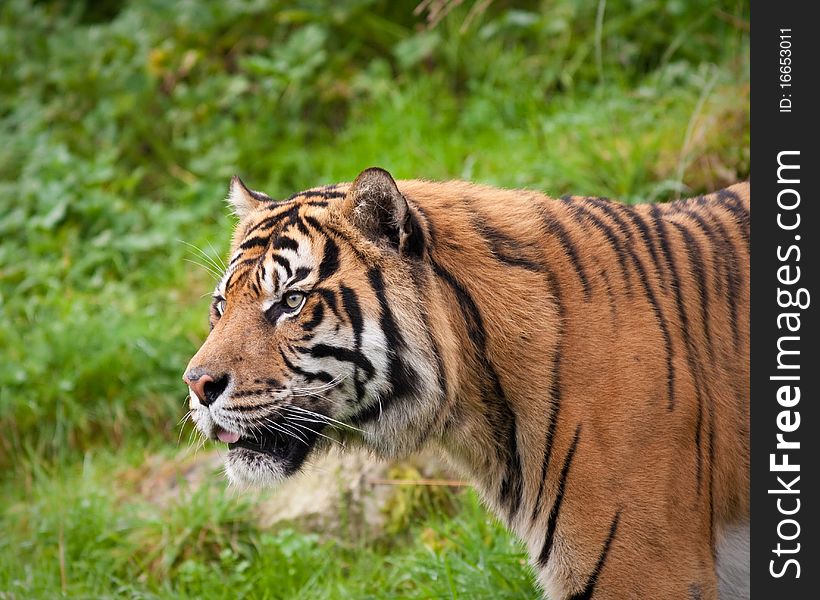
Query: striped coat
x=585, y=363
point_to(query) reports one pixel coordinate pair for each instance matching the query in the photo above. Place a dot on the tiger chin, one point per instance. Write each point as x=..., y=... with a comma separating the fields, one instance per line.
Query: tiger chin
x=583, y=362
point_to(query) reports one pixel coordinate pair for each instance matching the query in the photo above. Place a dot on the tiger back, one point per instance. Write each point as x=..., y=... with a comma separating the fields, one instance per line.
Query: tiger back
x=584, y=363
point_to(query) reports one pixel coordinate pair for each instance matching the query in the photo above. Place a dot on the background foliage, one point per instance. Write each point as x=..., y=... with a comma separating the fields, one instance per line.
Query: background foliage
x=121, y=123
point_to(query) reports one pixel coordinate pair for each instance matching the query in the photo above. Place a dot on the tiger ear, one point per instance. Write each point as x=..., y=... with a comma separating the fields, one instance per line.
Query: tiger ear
x=244, y=200
x=378, y=209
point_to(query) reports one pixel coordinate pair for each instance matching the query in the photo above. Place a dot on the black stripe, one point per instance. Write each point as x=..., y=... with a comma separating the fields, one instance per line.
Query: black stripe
x=504, y=248
x=732, y=203
x=518, y=261
x=647, y=238
x=255, y=288
x=352, y=244
x=371, y=412
x=722, y=251
x=247, y=407
x=238, y=273
x=589, y=588
x=613, y=304
x=420, y=279
x=316, y=317
x=555, y=228
x=297, y=222
x=650, y=294
x=614, y=209
x=289, y=217
x=502, y=417
x=660, y=227
x=229, y=281
x=247, y=392
x=245, y=260
x=329, y=296
x=258, y=275
x=300, y=274
x=711, y=450
x=552, y=521
x=716, y=243
x=684, y=321
x=285, y=265
x=320, y=193
x=330, y=259
x=253, y=242
x=417, y=241
x=289, y=212
x=695, y=255
x=733, y=272
x=400, y=374
x=584, y=216
x=249, y=261
x=554, y=394
x=284, y=242
x=314, y=222
x=430, y=230
x=322, y=376
x=350, y=302
x=342, y=355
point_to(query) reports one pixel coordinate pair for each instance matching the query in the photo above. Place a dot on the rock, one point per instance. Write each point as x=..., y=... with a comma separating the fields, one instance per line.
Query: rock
x=342, y=491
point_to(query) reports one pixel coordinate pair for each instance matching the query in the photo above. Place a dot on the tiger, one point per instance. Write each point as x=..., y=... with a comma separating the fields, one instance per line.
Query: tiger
x=584, y=363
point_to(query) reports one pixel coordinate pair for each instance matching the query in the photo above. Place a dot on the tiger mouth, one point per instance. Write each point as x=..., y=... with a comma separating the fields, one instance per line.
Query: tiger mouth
x=286, y=450
x=271, y=444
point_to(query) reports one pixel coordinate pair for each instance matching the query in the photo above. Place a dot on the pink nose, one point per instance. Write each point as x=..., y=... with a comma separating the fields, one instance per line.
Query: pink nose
x=206, y=387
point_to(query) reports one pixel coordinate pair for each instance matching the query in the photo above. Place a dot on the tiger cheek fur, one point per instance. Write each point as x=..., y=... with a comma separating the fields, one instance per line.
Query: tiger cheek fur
x=585, y=363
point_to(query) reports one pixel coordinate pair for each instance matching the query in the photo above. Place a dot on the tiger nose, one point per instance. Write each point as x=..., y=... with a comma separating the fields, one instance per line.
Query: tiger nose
x=206, y=387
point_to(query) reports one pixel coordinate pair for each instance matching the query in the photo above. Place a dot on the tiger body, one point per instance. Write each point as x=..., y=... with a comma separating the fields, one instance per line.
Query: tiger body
x=585, y=363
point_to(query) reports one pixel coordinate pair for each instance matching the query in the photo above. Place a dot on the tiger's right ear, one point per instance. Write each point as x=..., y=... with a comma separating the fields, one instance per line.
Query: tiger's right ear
x=244, y=200
x=378, y=209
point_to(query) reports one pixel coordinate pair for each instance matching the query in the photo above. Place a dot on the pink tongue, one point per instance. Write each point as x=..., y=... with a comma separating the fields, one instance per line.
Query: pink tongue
x=229, y=437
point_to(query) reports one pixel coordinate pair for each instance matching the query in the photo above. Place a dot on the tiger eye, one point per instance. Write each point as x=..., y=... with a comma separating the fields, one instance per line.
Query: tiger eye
x=294, y=299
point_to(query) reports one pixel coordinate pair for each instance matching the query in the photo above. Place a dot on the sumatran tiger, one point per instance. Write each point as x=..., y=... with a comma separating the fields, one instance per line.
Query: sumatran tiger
x=585, y=363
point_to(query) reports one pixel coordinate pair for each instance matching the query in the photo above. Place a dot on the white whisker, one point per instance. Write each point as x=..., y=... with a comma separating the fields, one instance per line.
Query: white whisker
x=217, y=256
x=321, y=416
x=182, y=426
x=294, y=431
x=318, y=433
x=213, y=273
x=271, y=426
x=216, y=266
x=324, y=387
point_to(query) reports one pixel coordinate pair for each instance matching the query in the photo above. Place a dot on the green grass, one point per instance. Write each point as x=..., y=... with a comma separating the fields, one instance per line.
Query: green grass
x=121, y=124
x=89, y=532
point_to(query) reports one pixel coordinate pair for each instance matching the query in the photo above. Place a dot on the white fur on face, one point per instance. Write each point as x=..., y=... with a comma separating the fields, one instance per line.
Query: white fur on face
x=246, y=468
x=193, y=400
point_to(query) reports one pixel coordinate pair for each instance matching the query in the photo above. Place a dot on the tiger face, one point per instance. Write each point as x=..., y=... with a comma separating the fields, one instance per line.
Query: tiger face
x=304, y=348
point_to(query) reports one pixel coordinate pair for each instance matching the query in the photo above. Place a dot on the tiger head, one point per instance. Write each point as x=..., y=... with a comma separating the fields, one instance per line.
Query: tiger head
x=320, y=330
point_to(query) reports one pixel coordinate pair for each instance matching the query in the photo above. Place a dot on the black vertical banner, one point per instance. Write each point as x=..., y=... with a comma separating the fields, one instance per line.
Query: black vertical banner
x=785, y=562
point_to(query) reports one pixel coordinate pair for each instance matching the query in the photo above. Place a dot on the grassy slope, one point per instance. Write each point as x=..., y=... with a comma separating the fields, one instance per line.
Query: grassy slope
x=119, y=136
